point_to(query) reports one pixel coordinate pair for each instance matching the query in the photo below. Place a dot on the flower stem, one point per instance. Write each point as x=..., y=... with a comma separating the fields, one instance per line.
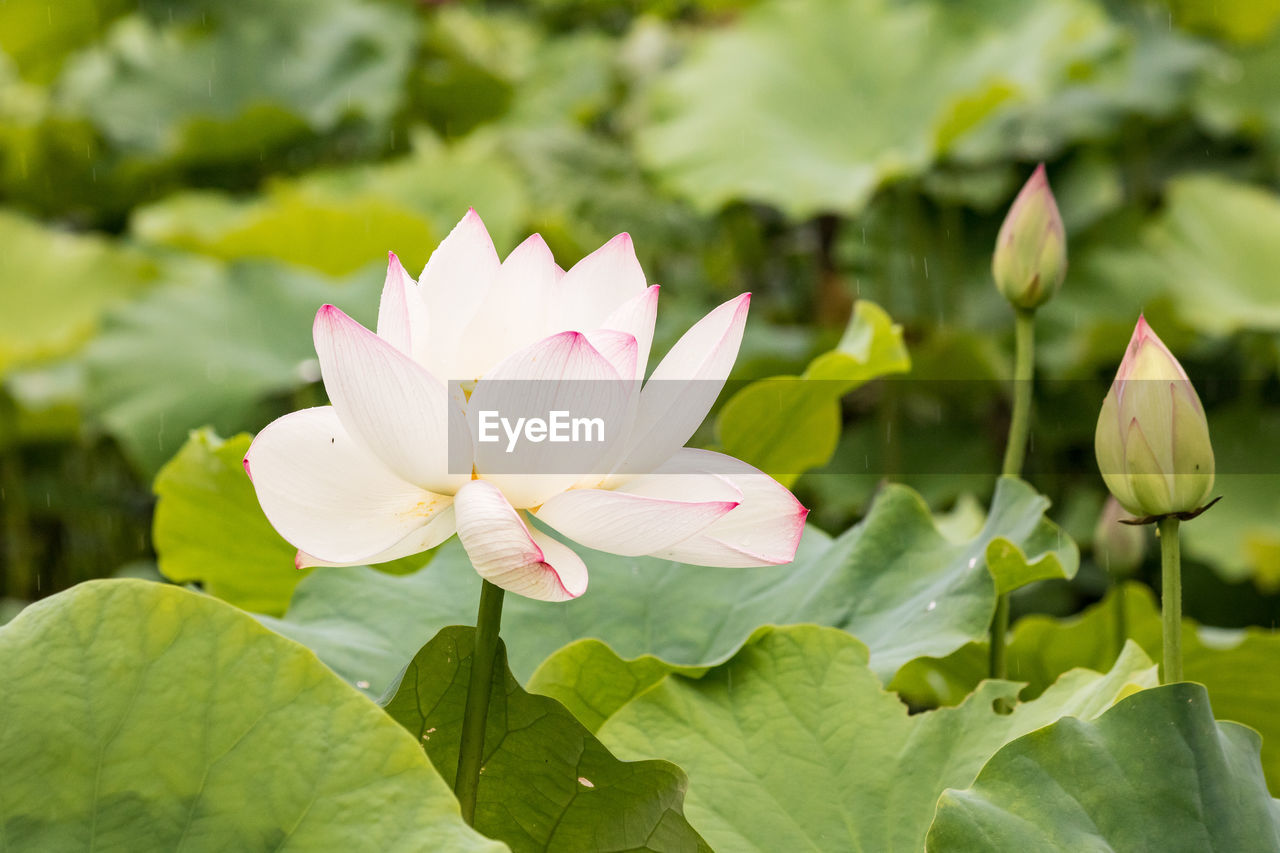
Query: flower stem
x=1171, y=599
x=1024, y=366
x=471, y=749
x=1015, y=453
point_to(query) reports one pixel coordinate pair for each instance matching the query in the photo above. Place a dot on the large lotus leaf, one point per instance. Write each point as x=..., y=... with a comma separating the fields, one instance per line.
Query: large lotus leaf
x=1153, y=773
x=1228, y=662
x=893, y=580
x=140, y=716
x=209, y=529
x=1214, y=250
x=207, y=348
x=811, y=105
x=1012, y=568
x=338, y=221
x=150, y=84
x=1245, y=542
x=1150, y=76
x=547, y=782
x=1239, y=95
x=55, y=286
x=366, y=625
x=335, y=236
x=589, y=679
x=794, y=745
x=1243, y=539
x=788, y=424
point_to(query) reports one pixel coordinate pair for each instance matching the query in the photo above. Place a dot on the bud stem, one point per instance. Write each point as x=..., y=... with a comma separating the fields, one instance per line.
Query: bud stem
x=1119, y=618
x=997, y=654
x=1024, y=366
x=1171, y=598
x=476, y=714
x=1015, y=452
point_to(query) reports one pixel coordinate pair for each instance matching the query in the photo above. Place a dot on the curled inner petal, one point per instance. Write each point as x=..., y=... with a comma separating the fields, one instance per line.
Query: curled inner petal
x=506, y=552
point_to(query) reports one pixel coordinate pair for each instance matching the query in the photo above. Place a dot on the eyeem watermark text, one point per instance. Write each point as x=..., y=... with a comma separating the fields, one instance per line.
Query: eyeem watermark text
x=556, y=427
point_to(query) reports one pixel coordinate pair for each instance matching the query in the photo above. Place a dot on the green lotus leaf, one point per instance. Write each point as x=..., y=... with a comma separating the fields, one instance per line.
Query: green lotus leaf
x=794, y=744
x=893, y=580
x=209, y=348
x=1011, y=568
x=1215, y=245
x=547, y=783
x=1228, y=662
x=334, y=236
x=812, y=105
x=209, y=529
x=151, y=79
x=589, y=679
x=1188, y=783
x=140, y=716
x=1237, y=95
x=338, y=221
x=1245, y=542
x=55, y=287
x=786, y=425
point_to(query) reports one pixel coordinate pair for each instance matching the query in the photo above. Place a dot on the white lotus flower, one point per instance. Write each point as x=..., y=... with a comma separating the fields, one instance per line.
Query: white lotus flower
x=375, y=476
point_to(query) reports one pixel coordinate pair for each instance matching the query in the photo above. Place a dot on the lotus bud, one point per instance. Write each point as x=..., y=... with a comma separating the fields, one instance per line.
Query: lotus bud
x=1152, y=439
x=1030, y=260
x=1118, y=548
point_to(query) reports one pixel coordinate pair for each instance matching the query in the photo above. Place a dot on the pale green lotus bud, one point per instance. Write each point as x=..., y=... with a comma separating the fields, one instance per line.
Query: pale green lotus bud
x=1030, y=260
x=1152, y=439
x=1118, y=548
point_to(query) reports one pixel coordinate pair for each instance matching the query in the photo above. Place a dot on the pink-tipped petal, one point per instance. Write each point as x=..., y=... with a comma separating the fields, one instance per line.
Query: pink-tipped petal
x=598, y=285
x=617, y=348
x=453, y=285
x=387, y=401
x=1147, y=351
x=629, y=524
x=504, y=551
x=570, y=572
x=763, y=530
x=684, y=386
x=401, y=315
x=564, y=374
x=636, y=317
x=329, y=496
x=514, y=312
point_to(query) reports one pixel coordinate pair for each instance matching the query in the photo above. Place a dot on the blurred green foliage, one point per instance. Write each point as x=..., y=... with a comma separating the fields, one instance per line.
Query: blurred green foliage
x=182, y=182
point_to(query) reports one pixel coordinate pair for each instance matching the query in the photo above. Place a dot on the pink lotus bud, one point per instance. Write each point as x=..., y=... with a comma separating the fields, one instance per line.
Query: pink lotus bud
x=1152, y=439
x=1030, y=260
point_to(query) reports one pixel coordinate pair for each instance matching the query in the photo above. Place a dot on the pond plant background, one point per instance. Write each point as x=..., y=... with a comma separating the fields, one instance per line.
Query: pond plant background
x=183, y=184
